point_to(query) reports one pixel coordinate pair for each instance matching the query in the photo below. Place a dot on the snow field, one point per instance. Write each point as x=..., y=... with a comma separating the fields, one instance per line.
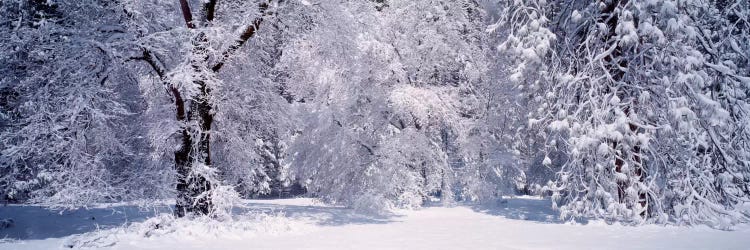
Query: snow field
x=516, y=223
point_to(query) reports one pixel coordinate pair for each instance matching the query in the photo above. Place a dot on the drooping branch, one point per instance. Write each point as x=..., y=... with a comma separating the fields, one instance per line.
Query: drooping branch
x=244, y=37
x=187, y=14
x=149, y=58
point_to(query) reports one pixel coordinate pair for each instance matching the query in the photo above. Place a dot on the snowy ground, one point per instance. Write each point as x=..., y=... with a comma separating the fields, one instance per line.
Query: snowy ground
x=521, y=223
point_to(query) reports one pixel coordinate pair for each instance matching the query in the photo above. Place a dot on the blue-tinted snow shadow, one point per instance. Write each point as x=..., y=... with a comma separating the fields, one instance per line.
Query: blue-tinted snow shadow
x=35, y=222
x=522, y=208
x=322, y=214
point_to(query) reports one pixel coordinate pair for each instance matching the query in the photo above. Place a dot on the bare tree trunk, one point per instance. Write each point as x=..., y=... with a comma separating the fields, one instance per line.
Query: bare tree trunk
x=616, y=63
x=193, y=189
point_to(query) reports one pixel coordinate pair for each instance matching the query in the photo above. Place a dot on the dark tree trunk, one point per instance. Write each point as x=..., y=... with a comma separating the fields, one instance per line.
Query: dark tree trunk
x=193, y=195
x=616, y=64
x=193, y=189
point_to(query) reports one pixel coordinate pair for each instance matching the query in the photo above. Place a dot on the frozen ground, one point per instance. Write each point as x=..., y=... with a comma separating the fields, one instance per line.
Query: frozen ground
x=520, y=223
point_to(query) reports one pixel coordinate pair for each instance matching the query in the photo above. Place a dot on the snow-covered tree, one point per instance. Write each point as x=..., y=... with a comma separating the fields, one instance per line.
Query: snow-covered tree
x=74, y=121
x=390, y=90
x=624, y=110
x=525, y=43
x=187, y=55
x=704, y=109
x=641, y=103
x=62, y=138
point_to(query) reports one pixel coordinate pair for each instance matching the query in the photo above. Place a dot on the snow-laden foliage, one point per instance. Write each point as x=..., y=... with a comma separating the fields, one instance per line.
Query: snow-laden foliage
x=705, y=105
x=624, y=110
x=63, y=142
x=392, y=108
x=525, y=40
x=218, y=112
x=103, y=98
x=650, y=114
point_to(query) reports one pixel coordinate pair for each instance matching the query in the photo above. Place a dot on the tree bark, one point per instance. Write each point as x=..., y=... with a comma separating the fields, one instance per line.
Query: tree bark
x=616, y=63
x=193, y=189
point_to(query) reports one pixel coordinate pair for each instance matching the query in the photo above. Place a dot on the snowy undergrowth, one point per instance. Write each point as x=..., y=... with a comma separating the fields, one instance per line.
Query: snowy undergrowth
x=167, y=228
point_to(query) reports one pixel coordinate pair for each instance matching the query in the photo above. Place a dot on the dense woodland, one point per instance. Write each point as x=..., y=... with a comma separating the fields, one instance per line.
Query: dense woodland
x=630, y=111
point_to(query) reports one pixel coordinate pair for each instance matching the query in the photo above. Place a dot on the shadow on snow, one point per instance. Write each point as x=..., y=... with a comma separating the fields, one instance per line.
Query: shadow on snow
x=322, y=215
x=35, y=222
x=522, y=208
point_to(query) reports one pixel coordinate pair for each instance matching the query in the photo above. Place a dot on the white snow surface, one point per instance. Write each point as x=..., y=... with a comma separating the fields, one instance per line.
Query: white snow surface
x=303, y=223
